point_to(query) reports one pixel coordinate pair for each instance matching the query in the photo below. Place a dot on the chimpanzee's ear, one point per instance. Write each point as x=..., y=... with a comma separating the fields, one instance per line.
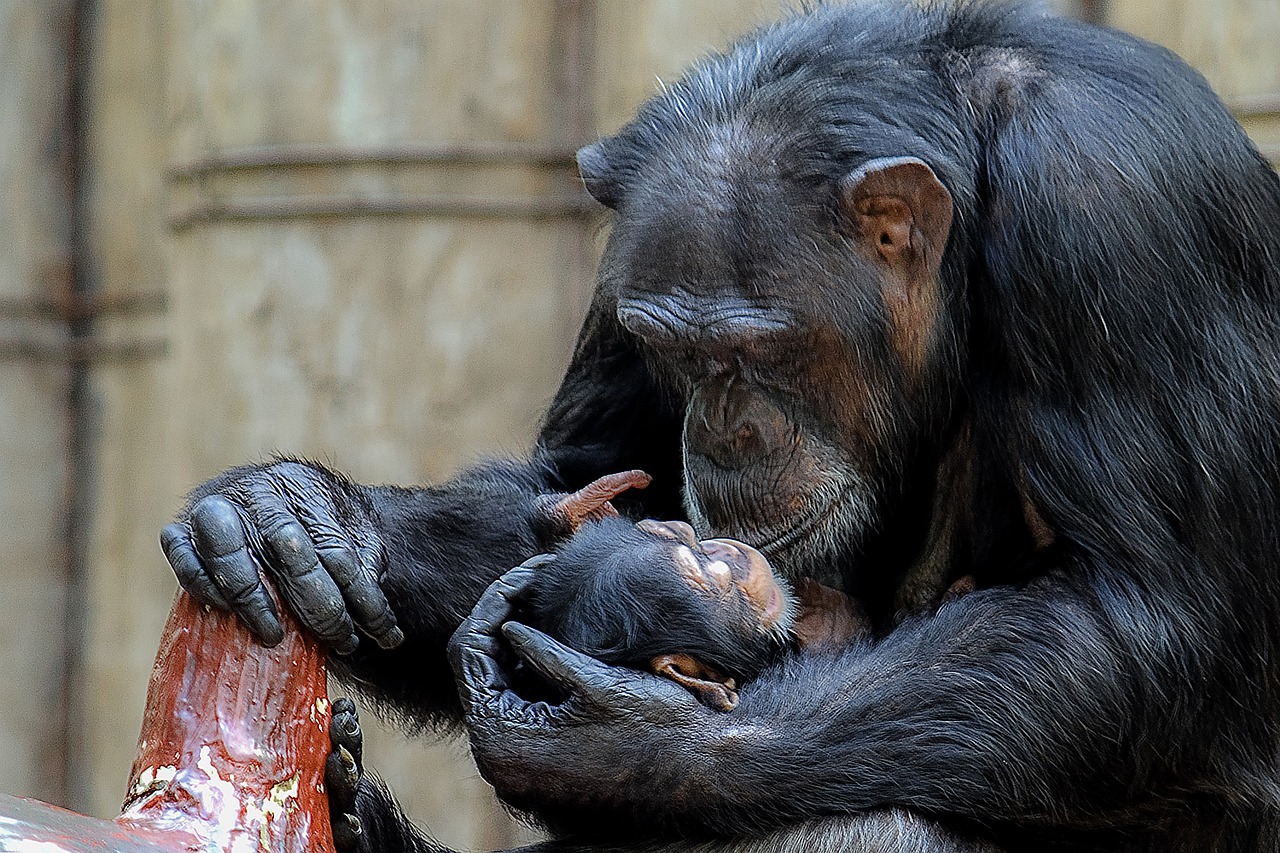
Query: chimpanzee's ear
x=598, y=174
x=900, y=213
x=712, y=688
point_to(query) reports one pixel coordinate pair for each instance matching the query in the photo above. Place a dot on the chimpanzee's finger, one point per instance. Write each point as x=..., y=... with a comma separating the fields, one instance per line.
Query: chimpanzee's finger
x=500, y=599
x=369, y=607
x=175, y=541
x=341, y=779
x=342, y=773
x=354, y=572
x=315, y=596
x=581, y=674
x=219, y=539
x=606, y=688
x=475, y=648
x=348, y=833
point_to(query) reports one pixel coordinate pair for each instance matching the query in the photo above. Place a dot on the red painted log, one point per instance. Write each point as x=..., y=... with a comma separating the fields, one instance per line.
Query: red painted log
x=231, y=755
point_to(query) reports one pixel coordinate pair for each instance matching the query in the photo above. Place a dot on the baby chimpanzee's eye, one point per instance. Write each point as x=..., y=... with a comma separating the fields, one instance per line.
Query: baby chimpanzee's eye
x=719, y=572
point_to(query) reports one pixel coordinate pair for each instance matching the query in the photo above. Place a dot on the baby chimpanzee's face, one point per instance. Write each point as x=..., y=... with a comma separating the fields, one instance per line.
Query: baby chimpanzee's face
x=734, y=577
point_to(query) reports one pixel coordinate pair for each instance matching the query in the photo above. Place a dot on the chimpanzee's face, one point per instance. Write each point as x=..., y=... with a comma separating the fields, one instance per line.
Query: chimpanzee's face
x=795, y=319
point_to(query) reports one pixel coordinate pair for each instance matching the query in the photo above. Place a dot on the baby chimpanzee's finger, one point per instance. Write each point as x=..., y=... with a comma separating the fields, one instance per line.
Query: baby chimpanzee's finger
x=562, y=515
x=591, y=502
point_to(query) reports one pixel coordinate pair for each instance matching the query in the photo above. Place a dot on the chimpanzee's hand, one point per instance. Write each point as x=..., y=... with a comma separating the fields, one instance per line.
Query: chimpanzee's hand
x=342, y=773
x=596, y=747
x=311, y=533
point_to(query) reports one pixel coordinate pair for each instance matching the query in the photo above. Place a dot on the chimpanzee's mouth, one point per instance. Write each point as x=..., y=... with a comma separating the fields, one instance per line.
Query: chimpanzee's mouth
x=793, y=545
x=798, y=531
x=802, y=517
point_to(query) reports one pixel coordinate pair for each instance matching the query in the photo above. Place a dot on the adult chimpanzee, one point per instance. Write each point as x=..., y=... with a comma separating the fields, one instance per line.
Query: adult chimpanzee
x=898, y=295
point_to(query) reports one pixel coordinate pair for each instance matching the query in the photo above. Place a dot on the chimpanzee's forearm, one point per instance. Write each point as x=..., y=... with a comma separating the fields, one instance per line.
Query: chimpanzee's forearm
x=1009, y=707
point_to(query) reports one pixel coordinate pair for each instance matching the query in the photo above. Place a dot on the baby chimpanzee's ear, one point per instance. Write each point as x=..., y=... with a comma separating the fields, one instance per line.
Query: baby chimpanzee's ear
x=712, y=689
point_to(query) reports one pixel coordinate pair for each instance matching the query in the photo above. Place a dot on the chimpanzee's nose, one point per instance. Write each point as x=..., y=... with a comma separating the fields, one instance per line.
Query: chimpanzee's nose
x=732, y=424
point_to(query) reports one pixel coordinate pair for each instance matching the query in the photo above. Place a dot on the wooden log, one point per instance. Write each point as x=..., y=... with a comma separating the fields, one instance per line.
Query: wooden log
x=231, y=755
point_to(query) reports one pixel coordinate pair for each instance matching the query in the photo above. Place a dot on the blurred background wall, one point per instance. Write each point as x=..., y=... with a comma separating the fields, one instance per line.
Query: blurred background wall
x=344, y=229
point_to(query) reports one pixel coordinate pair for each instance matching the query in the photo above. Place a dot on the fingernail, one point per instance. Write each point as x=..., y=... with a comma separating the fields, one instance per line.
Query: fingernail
x=347, y=646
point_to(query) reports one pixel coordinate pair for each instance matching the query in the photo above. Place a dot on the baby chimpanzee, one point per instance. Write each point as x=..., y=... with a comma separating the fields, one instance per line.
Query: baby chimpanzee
x=708, y=614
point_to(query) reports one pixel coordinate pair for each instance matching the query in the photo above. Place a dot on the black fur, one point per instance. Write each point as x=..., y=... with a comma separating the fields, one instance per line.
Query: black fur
x=1106, y=358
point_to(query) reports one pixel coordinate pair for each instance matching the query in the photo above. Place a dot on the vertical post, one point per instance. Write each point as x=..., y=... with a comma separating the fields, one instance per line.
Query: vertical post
x=231, y=757
x=574, y=112
x=78, y=288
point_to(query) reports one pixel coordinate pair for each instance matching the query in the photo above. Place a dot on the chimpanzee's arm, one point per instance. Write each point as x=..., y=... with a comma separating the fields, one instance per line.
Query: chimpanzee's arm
x=1016, y=707
x=339, y=551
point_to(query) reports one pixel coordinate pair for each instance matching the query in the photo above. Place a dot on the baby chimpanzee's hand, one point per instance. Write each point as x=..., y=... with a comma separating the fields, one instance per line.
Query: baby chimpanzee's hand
x=562, y=514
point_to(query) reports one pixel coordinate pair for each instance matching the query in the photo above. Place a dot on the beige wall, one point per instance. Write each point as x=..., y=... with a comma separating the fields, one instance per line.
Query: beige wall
x=395, y=347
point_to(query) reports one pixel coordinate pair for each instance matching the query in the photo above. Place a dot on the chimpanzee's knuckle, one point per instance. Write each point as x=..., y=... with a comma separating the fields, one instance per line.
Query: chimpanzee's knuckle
x=370, y=608
x=325, y=614
x=534, y=562
x=238, y=591
x=344, y=729
x=453, y=653
x=340, y=558
x=285, y=532
x=290, y=545
x=217, y=527
x=174, y=535
x=181, y=555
